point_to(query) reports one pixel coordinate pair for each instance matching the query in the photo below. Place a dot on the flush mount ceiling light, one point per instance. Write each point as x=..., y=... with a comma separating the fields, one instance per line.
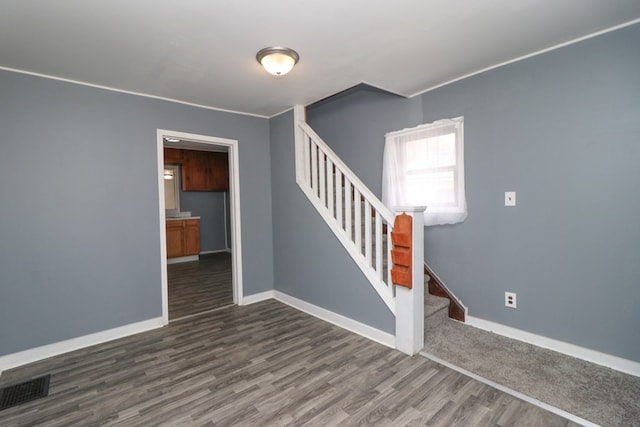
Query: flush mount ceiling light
x=170, y=139
x=168, y=174
x=277, y=60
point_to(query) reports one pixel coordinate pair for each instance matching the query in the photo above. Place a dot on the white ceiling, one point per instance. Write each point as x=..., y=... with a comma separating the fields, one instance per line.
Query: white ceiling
x=203, y=51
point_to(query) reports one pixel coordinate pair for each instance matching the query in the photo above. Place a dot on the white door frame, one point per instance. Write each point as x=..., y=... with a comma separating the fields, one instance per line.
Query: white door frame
x=234, y=196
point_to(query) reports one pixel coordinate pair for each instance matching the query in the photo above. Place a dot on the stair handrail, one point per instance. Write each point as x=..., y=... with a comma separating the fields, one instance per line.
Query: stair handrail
x=376, y=203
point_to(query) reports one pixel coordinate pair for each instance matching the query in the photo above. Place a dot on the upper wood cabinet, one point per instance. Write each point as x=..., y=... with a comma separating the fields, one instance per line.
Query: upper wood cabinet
x=172, y=155
x=205, y=171
x=201, y=170
x=219, y=171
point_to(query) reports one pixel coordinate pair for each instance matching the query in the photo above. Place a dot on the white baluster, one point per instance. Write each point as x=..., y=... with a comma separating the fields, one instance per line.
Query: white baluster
x=339, y=197
x=323, y=188
x=379, y=252
x=357, y=216
x=389, y=260
x=367, y=232
x=314, y=169
x=331, y=182
x=307, y=160
x=347, y=207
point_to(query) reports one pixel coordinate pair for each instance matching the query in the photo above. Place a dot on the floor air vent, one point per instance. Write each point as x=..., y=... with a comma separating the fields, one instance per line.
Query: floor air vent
x=27, y=391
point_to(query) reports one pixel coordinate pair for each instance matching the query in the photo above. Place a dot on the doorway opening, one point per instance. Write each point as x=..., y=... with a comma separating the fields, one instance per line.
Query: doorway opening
x=188, y=141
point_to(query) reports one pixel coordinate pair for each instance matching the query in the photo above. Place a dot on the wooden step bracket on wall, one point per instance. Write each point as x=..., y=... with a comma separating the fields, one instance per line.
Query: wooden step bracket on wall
x=401, y=252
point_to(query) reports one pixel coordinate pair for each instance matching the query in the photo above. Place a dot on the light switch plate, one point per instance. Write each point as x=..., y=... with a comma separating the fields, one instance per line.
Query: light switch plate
x=510, y=198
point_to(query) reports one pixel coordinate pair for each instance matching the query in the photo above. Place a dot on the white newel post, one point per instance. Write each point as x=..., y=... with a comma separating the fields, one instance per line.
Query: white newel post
x=410, y=302
x=299, y=115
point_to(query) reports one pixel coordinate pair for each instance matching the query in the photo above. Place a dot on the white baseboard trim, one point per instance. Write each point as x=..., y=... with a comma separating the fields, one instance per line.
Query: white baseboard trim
x=354, y=326
x=261, y=296
x=610, y=361
x=180, y=259
x=217, y=251
x=25, y=357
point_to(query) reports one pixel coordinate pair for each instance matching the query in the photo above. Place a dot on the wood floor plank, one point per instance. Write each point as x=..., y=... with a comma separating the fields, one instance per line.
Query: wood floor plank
x=198, y=286
x=266, y=364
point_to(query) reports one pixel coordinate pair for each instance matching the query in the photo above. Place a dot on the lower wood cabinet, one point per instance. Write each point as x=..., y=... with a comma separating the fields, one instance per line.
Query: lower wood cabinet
x=183, y=237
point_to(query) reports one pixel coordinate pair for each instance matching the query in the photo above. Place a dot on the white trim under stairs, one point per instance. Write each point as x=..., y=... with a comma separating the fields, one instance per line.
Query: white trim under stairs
x=354, y=326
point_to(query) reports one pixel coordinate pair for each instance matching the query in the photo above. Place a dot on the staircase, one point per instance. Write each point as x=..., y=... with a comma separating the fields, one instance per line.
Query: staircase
x=355, y=215
x=435, y=309
x=363, y=224
x=435, y=287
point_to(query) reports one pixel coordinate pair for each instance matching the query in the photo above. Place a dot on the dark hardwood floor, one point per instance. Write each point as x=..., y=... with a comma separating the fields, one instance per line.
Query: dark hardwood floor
x=260, y=365
x=198, y=286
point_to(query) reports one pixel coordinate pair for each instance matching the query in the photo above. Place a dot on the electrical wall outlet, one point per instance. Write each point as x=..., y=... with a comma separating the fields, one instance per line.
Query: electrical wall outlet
x=510, y=300
x=510, y=198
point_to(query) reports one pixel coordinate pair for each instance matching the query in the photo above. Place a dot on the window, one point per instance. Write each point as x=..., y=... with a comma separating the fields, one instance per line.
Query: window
x=425, y=166
x=171, y=188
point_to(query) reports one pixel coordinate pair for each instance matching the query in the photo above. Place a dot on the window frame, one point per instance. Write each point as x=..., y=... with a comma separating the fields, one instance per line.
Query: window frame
x=176, y=188
x=397, y=143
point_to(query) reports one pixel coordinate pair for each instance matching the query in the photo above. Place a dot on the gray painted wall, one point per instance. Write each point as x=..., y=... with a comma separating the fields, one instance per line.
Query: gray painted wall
x=309, y=261
x=561, y=129
x=209, y=206
x=79, y=226
x=354, y=126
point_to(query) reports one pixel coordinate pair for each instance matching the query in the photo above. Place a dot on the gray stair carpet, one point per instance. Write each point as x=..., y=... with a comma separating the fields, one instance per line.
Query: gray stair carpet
x=592, y=392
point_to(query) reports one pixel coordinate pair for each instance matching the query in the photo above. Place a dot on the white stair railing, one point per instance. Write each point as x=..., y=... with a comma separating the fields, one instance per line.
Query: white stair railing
x=345, y=202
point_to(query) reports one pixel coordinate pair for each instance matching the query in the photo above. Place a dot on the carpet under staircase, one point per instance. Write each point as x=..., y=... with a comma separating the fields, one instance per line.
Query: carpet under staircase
x=436, y=309
x=592, y=392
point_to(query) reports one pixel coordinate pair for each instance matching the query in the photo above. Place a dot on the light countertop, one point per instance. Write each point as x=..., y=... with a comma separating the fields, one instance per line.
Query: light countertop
x=188, y=217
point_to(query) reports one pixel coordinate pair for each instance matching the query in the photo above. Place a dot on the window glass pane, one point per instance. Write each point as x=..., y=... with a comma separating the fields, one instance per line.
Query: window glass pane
x=446, y=149
x=172, y=187
x=436, y=188
x=432, y=152
x=415, y=154
x=169, y=194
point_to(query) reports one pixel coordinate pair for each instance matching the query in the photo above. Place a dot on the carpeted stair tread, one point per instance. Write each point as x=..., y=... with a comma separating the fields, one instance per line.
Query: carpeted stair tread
x=433, y=304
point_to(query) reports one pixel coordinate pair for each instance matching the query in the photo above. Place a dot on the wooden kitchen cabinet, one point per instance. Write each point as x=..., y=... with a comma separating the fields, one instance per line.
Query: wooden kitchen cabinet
x=201, y=170
x=205, y=171
x=219, y=171
x=172, y=155
x=183, y=237
x=191, y=237
x=195, y=171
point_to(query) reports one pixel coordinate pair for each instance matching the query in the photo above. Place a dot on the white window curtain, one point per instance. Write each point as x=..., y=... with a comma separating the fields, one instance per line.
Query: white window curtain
x=425, y=166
